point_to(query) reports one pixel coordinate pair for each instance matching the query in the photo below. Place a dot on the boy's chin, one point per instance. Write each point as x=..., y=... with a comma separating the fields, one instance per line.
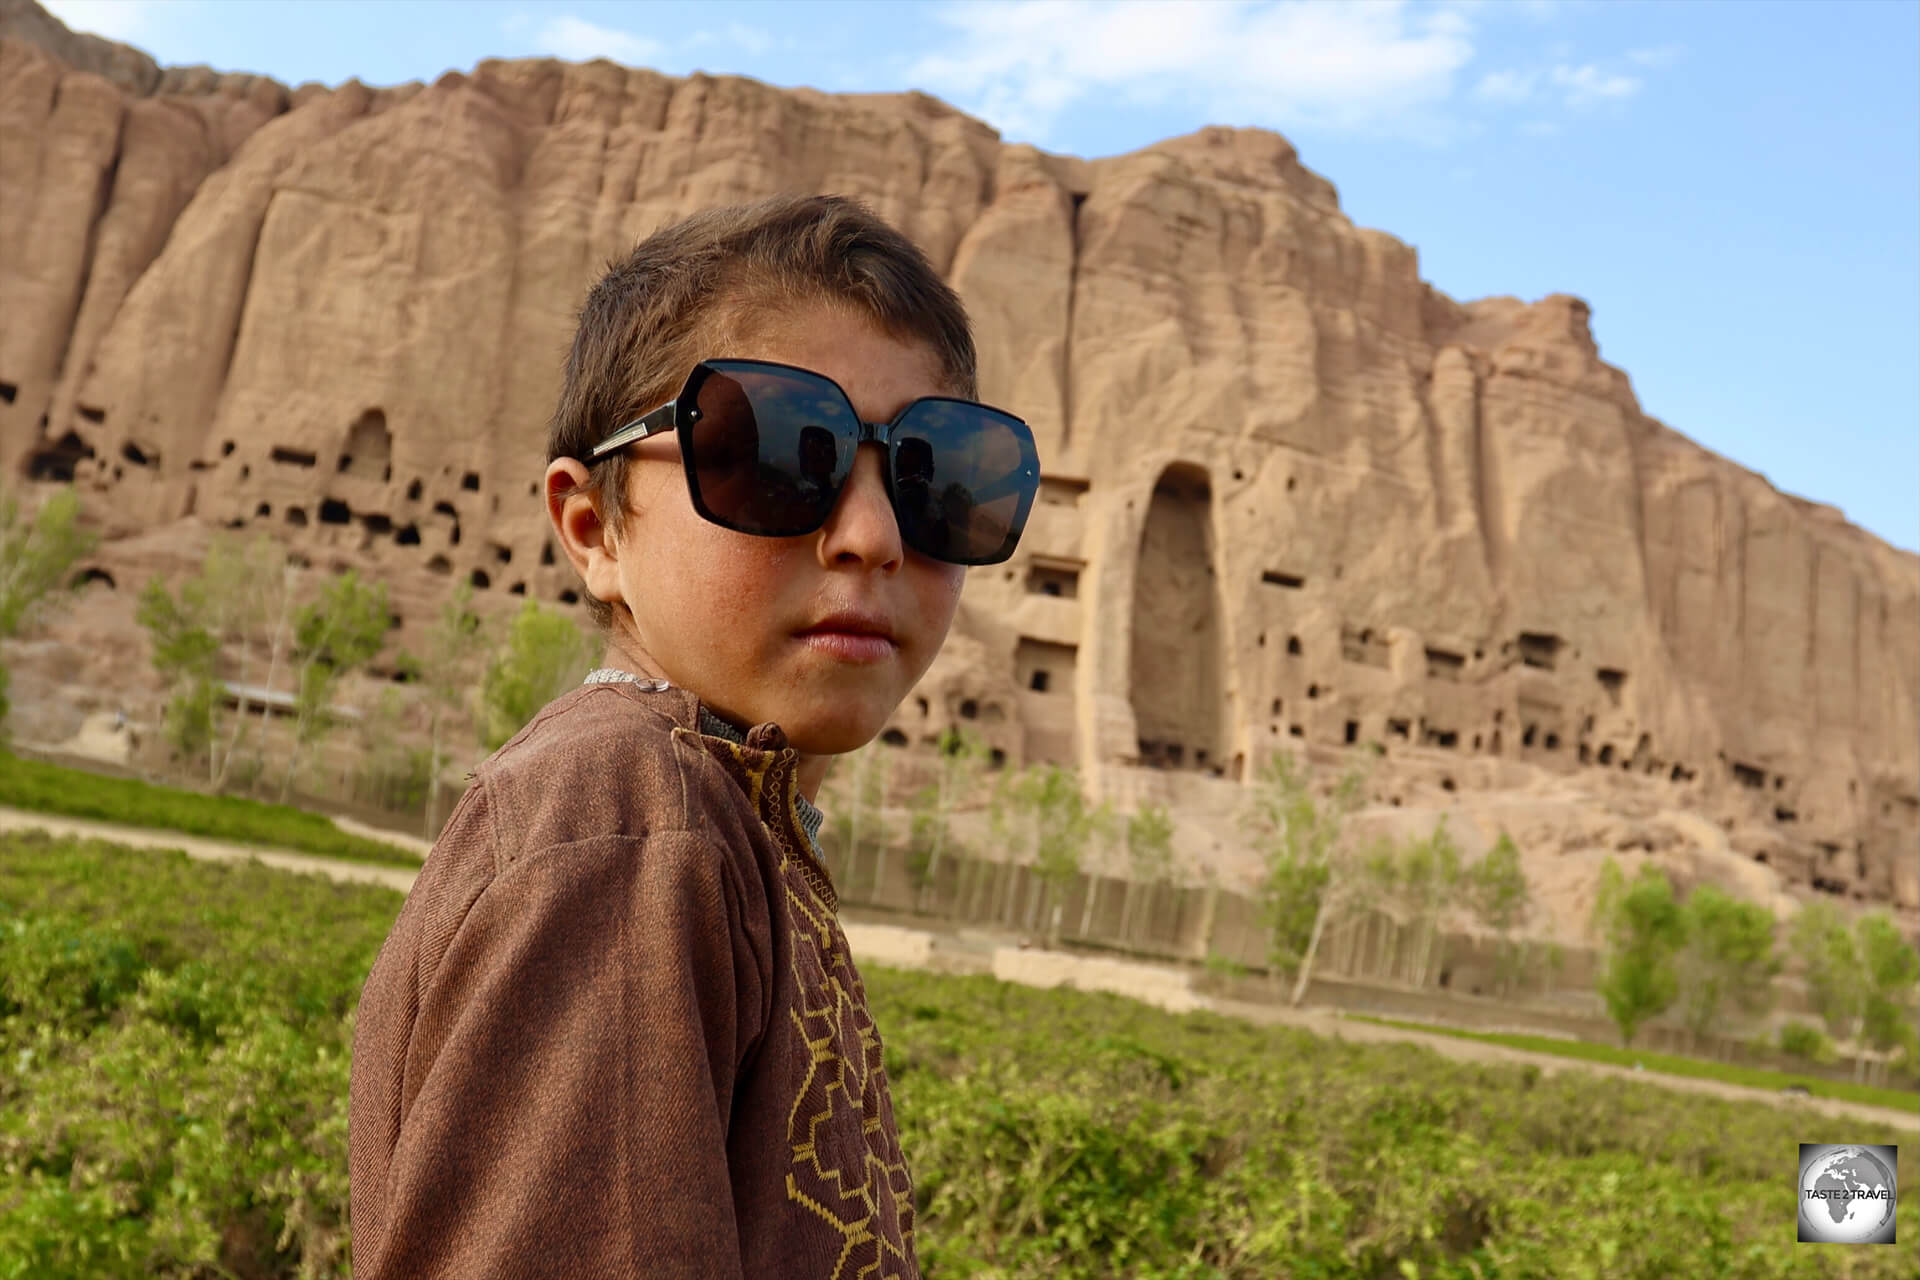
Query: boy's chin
x=832, y=735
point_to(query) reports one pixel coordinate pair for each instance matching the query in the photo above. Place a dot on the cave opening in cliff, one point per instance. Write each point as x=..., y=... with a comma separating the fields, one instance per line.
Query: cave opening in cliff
x=1353, y=732
x=407, y=536
x=440, y=565
x=1444, y=665
x=57, y=461
x=91, y=575
x=263, y=511
x=471, y=480
x=139, y=457
x=504, y=554
x=369, y=451
x=292, y=457
x=1540, y=650
x=1614, y=681
x=480, y=579
x=297, y=517
x=1178, y=650
x=91, y=414
x=1293, y=646
x=7, y=392
x=517, y=589
x=1748, y=776
x=334, y=511
x=1044, y=672
x=1053, y=578
x=569, y=596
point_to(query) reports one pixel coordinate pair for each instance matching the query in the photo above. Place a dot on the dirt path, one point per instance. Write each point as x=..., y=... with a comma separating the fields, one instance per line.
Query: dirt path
x=209, y=849
x=969, y=951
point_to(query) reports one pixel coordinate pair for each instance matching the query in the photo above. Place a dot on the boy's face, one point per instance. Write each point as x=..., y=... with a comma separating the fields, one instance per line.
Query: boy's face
x=718, y=612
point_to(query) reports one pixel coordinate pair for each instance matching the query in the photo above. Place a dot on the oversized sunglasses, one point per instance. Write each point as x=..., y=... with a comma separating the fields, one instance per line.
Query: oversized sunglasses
x=767, y=449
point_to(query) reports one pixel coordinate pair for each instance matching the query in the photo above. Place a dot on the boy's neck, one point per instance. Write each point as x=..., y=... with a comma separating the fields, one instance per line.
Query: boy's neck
x=809, y=775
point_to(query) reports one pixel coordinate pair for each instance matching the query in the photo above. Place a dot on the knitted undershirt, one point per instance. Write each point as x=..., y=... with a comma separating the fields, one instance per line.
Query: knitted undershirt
x=810, y=817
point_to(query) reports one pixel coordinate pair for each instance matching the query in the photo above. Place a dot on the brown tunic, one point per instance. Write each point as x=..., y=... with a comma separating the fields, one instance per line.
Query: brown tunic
x=616, y=1030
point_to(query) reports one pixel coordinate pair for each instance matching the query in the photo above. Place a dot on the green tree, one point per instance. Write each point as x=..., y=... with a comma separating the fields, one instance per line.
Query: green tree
x=1890, y=972
x=1823, y=947
x=1500, y=898
x=960, y=759
x=545, y=654
x=1053, y=825
x=37, y=556
x=184, y=652
x=857, y=786
x=1727, y=961
x=456, y=646
x=335, y=634
x=1311, y=878
x=1429, y=879
x=1104, y=829
x=1860, y=980
x=1642, y=928
x=242, y=587
x=1148, y=834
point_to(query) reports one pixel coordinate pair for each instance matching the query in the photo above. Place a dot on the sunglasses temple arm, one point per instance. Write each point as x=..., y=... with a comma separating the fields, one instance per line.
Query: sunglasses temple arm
x=640, y=428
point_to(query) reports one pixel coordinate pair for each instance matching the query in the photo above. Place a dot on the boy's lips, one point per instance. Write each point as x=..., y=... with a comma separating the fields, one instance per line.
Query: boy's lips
x=853, y=622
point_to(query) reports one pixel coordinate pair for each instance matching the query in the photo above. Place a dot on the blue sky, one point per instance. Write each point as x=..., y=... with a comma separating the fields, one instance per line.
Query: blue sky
x=1735, y=188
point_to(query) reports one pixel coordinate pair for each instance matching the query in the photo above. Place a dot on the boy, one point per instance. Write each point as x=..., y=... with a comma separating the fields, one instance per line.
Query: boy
x=616, y=1031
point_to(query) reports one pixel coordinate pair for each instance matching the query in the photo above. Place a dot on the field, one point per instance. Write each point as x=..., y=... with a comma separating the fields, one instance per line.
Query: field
x=177, y=1036
x=52, y=788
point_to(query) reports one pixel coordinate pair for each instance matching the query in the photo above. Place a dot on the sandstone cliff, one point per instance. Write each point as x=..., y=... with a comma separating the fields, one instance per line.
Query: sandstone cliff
x=1293, y=496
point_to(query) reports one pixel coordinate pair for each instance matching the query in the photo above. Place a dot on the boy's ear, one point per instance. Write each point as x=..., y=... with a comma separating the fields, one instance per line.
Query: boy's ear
x=575, y=513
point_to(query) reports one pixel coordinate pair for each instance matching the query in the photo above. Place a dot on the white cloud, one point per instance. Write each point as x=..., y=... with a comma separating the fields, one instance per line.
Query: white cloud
x=114, y=19
x=1588, y=84
x=1506, y=86
x=578, y=40
x=1363, y=66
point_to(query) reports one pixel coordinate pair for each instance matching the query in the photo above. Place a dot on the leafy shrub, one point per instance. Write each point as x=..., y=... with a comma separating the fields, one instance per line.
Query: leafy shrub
x=178, y=1038
x=1804, y=1040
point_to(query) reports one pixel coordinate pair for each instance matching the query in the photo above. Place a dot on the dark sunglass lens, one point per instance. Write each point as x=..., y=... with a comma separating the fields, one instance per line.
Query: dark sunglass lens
x=965, y=476
x=770, y=448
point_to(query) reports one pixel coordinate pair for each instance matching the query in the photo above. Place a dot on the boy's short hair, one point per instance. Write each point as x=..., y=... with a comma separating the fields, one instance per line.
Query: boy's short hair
x=690, y=290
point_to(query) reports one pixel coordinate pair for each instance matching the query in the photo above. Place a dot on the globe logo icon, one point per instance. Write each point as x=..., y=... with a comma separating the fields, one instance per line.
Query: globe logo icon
x=1846, y=1194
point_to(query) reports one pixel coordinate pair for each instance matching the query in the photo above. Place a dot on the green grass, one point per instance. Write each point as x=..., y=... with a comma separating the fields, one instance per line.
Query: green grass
x=177, y=1033
x=1673, y=1064
x=51, y=788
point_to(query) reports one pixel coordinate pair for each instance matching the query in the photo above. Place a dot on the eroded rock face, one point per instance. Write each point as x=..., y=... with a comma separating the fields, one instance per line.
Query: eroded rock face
x=1293, y=497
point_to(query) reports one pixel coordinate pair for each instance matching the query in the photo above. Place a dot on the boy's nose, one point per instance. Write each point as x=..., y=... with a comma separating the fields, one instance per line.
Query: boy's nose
x=862, y=521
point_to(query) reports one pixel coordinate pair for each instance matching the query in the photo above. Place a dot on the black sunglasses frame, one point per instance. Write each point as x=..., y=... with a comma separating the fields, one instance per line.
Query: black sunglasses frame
x=682, y=413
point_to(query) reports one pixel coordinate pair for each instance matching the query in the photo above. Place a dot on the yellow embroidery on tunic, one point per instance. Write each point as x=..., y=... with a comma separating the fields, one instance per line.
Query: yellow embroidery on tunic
x=848, y=1169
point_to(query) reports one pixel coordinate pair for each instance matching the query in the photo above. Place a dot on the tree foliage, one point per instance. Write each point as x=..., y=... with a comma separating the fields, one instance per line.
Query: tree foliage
x=1498, y=894
x=1863, y=980
x=336, y=633
x=1728, y=961
x=1310, y=877
x=37, y=556
x=447, y=676
x=545, y=654
x=1642, y=929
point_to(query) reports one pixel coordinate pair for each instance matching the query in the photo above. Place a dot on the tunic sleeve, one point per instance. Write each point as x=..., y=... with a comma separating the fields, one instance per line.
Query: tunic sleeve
x=544, y=1069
